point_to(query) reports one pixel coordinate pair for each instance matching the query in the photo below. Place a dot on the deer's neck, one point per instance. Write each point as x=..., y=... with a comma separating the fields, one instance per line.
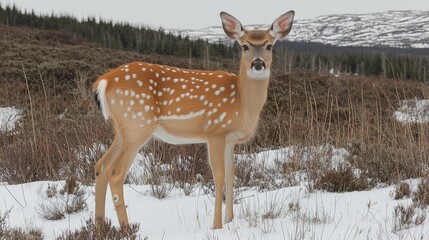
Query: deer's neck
x=253, y=95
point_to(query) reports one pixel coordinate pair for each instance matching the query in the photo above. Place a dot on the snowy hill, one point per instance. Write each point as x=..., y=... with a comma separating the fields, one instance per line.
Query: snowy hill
x=408, y=29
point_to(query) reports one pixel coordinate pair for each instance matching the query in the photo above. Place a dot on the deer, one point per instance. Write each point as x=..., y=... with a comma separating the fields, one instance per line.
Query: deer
x=186, y=106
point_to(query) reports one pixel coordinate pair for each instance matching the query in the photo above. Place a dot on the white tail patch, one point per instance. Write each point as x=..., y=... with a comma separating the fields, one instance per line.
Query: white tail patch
x=101, y=92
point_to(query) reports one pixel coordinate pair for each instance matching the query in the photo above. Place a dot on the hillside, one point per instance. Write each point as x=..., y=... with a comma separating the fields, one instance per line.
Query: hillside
x=404, y=29
x=328, y=132
x=60, y=69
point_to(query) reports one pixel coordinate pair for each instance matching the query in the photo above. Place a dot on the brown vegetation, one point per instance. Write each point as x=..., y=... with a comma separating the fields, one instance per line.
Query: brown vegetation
x=48, y=74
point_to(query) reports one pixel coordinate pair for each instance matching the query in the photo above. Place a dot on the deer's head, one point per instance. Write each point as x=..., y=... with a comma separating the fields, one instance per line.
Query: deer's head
x=257, y=45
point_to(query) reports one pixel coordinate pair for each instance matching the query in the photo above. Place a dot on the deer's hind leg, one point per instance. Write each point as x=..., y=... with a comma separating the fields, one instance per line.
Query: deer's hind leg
x=117, y=169
x=101, y=180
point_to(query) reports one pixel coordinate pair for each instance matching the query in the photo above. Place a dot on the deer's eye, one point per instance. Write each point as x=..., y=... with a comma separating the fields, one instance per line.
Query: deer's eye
x=245, y=48
x=269, y=47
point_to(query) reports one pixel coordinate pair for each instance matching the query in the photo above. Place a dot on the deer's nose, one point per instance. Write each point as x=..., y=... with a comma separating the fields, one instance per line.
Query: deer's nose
x=258, y=65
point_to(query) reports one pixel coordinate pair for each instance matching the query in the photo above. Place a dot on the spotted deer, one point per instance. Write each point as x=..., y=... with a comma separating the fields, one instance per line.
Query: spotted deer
x=183, y=106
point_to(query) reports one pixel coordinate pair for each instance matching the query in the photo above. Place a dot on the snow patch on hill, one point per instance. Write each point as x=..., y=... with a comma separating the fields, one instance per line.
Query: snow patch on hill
x=413, y=111
x=9, y=117
x=406, y=29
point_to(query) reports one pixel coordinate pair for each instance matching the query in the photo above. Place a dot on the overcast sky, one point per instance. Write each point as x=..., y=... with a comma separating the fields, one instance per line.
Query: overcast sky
x=195, y=14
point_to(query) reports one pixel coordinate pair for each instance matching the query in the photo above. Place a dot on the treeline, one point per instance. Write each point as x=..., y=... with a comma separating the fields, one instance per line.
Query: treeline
x=117, y=35
x=394, y=63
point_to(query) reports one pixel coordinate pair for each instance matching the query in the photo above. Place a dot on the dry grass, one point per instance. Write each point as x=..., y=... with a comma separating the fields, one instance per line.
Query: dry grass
x=105, y=230
x=57, y=138
x=13, y=233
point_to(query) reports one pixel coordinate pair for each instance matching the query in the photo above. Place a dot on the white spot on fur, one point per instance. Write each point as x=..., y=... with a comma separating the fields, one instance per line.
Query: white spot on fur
x=183, y=117
x=222, y=116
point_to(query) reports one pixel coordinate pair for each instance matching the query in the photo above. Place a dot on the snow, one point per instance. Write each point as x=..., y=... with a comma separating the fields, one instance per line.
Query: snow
x=297, y=213
x=270, y=159
x=391, y=28
x=353, y=215
x=9, y=117
x=413, y=111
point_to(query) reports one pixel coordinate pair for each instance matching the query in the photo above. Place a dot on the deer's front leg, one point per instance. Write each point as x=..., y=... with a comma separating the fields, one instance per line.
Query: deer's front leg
x=216, y=146
x=229, y=182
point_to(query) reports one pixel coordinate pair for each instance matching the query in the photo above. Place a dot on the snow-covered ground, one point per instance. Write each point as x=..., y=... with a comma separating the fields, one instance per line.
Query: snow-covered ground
x=284, y=213
x=300, y=215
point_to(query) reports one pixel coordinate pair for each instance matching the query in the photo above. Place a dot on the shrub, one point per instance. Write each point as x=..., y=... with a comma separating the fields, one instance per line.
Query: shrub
x=54, y=204
x=407, y=217
x=342, y=179
x=402, y=190
x=105, y=230
x=421, y=195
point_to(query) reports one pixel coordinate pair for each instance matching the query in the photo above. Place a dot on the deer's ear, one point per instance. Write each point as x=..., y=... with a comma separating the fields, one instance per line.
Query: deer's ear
x=282, y=25
x=232, y=27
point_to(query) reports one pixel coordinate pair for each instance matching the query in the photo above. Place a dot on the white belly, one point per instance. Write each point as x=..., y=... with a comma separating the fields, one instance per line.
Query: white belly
x=162, y=134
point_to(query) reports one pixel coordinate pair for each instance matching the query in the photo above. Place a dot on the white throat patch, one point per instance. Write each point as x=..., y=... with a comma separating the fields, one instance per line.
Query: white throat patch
x=258, y=75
